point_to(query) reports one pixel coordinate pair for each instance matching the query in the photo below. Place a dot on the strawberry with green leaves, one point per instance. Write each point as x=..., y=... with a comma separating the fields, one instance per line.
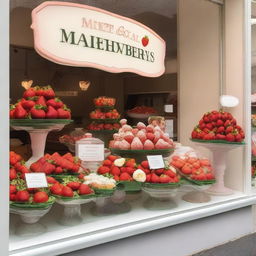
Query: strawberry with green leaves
x=37, y=112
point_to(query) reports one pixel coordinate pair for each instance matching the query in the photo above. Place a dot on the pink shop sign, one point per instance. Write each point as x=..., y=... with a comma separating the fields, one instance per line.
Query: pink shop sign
x=80, y=35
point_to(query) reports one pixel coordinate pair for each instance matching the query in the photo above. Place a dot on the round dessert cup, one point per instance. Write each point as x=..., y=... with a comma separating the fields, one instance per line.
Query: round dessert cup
x=38, y=130
x=160, y=195
x=72, y=209
x=29, y=225
x=219, y=150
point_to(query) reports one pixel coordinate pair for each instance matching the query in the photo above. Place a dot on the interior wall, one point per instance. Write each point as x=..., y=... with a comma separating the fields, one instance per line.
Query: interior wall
x=198, y=55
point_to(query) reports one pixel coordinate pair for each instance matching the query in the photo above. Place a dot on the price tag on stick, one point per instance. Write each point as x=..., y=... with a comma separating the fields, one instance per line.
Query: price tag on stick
x=155, y=162
x=36, y=180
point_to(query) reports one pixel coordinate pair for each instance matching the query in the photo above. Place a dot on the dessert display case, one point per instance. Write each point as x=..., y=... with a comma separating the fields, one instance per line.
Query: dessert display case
x=141, y=185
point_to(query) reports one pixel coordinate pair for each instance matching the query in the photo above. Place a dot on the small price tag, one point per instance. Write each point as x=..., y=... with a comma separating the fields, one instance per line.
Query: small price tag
x=36, y=180
x=155, y=162
x=91, y=152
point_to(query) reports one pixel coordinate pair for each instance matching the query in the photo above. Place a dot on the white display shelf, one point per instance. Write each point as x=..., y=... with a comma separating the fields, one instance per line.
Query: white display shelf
x=96, y=230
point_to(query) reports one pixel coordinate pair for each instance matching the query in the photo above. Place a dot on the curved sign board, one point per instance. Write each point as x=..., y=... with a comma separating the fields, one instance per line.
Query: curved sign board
x=80, y=35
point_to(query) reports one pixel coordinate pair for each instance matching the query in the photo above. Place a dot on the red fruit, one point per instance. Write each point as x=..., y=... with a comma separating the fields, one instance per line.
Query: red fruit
x=49, y=92
x=13, y=197
x=13, y=189
x=39, y=91
x=238, y=138
x=84, y=190
x=81, y=176
x=64, y=113
x=40, y=197
x=55, y=103
x=209, y=136
x=136, y=144
x=36, y=166
x=125, y=176
x=187, y=168
x=103, y=170
x=159, y=171
x=145, y=164
x=219, y=123
x=51, y=113
x=129, y=138
x=47, y=168
x=130, y=163
x=116, y=177
x=130, y=170
x=148, y=178
x=150, y=136
x=145, y=41
x=56, y=189
x=205, y=162
x=41, y=101
x=230, y=137
x=22, y=196
x=37, y=112
x=123, y=169
x=154, y=178
x=67, y=191
x=227, y=123
x=29, y=93
x=51, y=180
x=147, y=171
x=170, y=173
x=28, y=104
x=220, y=137
x=164, y=179
x=229, y=129
x=221, y=129
x=13, y=174
x=209, y=176
x=161, y=144
x=148, y=145
x=20, y=112
x=194, y=134
x=74, y=185
x=115, y=171
x=107, y=162
x=209, y=126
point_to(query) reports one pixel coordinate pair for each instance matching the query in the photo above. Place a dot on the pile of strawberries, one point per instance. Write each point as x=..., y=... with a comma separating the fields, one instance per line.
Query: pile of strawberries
x=104, y=101
x=140, y=137
x=57, y=164
x=39, y=103
x=18, y=189
x=99, y=114
x=218, y=125
x=71, y=187
x=142, y=110
x=163, y=175
x=122, y=171
x=193, y=168
x=100, y=126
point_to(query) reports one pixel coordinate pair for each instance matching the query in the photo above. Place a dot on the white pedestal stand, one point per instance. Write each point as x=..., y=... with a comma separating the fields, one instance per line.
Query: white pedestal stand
x=38, y=137
x=219, y=155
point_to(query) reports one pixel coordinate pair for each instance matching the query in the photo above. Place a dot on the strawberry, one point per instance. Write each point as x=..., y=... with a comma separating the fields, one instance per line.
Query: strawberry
x=130, y=163
x=221, y=129
x=229, y=129
x=219, y=123
x=125, y=176
x=55, y=103
x=36, y=166
x=40, y=197
x=112, y=158
x=81, y=176
x=116, y=177
x=148, y=145
x=84, y=190
x=209, y=136
x=230, y=137
x=41, y=101
x=51, y=180
x=29, y=93
x=123, y=169
x=51, y=113
x=145, y=164
x=49, y=92
x=13, y=174
x=22, y=196
x=154, y=178
x=164, y=179
x=187, y=168
x=238, y=138
x=103, y=170
x=159, y=171
x=64, y=113
x=194, y=134
x=147, y=171
x=220, y=137
x=209, y=126
x=13, y=189
x=20, y=112
x=107, y=162
x=130, y=170
x=13, y=197
x=150, y=136
x=67, y=191
x=227, y=123
x=56, y=189
x=148, y=178
x=47, y=168
x=115, y=171
x=209, y=176
x=28, y=104
x=74, y=185
x=170, y=173
x=12, y=112
x=37, y=112
x=69, y=157
x=39, y=91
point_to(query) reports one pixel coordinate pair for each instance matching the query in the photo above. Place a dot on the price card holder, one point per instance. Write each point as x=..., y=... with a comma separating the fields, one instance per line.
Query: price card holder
x=36, y=180
x=155, y=162
x=91, y=152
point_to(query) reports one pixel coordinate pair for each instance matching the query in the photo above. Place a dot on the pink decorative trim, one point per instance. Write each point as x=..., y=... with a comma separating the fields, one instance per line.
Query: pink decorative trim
x=66, y=62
